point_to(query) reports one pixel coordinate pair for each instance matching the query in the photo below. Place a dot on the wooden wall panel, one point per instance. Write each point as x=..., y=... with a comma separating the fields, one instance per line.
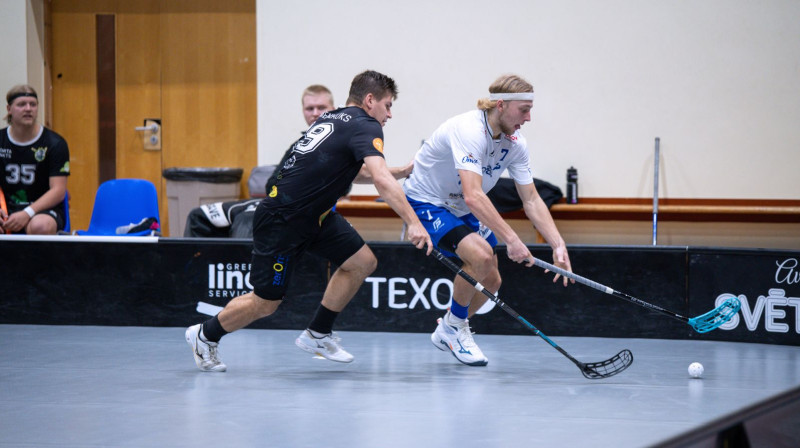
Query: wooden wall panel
x=190, y=63
x=209, y=84
x=74, y=100
x=138, y=89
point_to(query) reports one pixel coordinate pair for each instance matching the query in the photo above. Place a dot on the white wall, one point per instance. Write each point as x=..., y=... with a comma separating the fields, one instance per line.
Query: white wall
x=717, y=80
x=22, y=49
x=13, y=52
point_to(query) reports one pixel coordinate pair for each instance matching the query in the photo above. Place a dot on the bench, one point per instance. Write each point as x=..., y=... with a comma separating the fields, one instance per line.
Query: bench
x=626, y=209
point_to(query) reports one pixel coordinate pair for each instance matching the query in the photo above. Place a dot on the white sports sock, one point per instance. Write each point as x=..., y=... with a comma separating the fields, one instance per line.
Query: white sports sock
x=452, y=319
x=315, y=334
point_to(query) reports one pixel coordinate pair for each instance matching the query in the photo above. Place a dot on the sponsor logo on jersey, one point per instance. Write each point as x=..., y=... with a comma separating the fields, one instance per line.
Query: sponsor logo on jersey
x=65, y=168
x=378, y=144
x=484, y=231
x=487, y=170
x=513, y=138
x=469, y=159
x=278, y=267
x=39, y=153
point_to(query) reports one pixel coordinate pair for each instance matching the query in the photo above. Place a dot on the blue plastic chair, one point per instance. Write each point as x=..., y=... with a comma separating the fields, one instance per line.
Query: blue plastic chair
x=123, y=202
x=66, y=213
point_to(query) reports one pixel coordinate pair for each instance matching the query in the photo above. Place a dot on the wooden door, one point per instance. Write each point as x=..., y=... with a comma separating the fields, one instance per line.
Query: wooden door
x=189, y=63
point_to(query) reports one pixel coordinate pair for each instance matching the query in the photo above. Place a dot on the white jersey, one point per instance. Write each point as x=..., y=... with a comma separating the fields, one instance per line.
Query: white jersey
x=464, y=142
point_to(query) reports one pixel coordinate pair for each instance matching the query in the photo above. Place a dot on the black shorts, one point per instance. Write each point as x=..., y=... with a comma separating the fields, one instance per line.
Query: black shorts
x=56, y=213
x=279, y=245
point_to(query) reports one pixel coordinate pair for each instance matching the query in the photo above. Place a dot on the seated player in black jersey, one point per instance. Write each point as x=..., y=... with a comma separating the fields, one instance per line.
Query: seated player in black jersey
x=35, y=164
x=297, y=218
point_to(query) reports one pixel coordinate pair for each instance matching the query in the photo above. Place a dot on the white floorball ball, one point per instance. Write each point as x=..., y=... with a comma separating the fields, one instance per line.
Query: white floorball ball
x=695, y=369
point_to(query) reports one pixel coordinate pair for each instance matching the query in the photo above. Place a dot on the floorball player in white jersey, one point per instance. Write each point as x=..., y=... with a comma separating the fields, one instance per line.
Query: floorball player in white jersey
x=453, y=171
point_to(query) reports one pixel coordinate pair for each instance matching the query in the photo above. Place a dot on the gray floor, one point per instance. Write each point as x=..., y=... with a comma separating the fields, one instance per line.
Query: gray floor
x=138, y=387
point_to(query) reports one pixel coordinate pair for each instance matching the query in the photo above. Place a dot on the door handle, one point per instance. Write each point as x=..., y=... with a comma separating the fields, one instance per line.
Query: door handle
x=151, y=140
x=152, y=128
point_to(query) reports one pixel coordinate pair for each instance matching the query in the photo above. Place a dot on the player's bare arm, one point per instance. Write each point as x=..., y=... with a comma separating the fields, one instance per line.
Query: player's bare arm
x=481, y=206
x=537, y=212
x=398, y=172
x=58, y=188
x=393, y=194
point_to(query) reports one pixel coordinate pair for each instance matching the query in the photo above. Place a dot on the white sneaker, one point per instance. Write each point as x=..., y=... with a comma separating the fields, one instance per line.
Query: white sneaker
x=437, y=341
x=457, y=338
x=327, y=346
x=205, y=353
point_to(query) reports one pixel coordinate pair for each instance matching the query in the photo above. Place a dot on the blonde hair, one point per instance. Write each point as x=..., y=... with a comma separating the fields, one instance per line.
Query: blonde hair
x=16, y=92
x=505, y=84
x=316, y=89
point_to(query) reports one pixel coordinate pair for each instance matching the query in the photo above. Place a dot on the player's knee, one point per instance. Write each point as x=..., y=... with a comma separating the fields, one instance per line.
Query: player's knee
x=493, y=281
x=481, y=262
x=265, y=307
x=366, y=265
x=41, y=227
x=362, y=263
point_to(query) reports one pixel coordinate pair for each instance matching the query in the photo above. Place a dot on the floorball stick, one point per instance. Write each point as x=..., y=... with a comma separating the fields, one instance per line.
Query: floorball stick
x=4, y=207
x=591, y=370
x=655, y=191
x=701, y=324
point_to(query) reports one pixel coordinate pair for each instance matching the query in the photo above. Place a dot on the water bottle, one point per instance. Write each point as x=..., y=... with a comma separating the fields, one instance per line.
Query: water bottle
x=572, y=185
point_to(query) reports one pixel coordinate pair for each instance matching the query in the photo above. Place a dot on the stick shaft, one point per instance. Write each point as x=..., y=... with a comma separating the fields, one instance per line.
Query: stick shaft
x=606, y=289
x=655, y=191
x=453, y=267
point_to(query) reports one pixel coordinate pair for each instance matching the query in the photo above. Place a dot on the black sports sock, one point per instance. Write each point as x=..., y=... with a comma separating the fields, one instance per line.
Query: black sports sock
x=323, y=320
x=212, y=330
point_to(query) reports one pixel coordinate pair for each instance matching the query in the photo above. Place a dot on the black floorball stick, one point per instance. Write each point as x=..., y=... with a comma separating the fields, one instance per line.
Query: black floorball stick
x=701, y=324
x=591, y=370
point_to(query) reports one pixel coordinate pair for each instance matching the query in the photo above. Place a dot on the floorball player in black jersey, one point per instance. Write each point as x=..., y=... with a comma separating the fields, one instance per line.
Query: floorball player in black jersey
x=296, y=218
x=35, y=166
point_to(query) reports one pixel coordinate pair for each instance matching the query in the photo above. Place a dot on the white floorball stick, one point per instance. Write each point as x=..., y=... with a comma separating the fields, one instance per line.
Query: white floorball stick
x=655, y=192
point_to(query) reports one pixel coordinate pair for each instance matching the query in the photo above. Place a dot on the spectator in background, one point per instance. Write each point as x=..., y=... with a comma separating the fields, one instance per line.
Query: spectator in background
x=235, y=218
x=35, y=166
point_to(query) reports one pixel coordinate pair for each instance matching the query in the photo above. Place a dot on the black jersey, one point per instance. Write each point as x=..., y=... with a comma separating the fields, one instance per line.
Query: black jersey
x=324, y=163
x=27, y=168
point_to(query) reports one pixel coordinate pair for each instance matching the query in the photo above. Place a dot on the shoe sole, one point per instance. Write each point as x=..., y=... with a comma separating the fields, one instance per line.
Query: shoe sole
x=445, y=347
x=471, y=364
x=314, y=351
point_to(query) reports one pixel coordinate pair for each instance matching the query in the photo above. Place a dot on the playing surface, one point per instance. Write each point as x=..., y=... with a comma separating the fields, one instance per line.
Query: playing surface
x=136, y=387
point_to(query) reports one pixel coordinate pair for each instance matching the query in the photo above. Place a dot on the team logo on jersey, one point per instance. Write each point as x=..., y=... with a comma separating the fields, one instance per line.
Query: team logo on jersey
x=65, y=168
x=378, y=144
x=273, y=192
x=39, y=153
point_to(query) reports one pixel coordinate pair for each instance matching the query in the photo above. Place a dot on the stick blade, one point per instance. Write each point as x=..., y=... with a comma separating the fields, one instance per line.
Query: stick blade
x=716, y=317
x=609, y=367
